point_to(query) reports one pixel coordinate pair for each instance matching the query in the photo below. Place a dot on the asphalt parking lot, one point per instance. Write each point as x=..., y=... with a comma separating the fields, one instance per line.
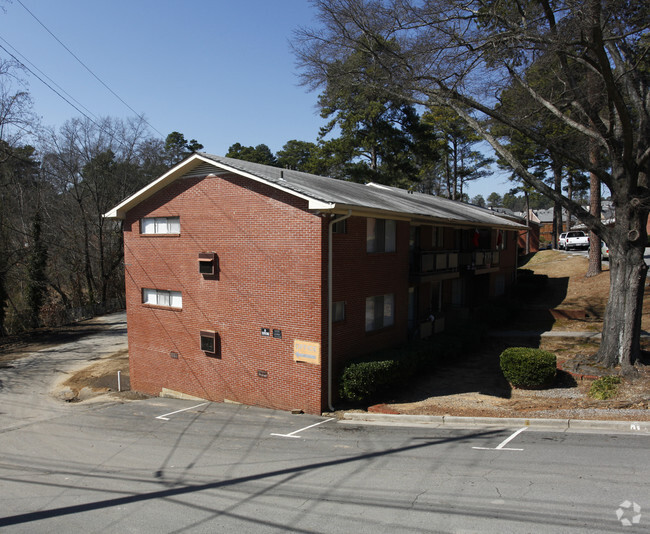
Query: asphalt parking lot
x=166, y=465
x=169, y=465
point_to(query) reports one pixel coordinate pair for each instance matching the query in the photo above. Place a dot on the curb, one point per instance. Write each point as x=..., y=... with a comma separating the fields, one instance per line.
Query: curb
x=579, y=425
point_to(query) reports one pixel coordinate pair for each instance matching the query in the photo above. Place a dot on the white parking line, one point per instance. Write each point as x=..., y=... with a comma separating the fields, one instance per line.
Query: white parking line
x=502, y=446
x=165, y=418
x=291, y=435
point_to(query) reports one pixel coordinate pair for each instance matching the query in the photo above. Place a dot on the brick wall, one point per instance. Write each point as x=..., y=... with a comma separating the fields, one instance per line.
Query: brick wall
x=272, y=275
x=270, y=256
x=358, y=274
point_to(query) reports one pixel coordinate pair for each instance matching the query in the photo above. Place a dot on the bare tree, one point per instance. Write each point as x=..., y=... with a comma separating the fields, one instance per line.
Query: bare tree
x=93, y=165
x=464, y=54
x=17, y=186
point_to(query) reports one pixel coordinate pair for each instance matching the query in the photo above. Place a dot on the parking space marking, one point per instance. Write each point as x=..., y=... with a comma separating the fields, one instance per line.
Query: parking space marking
x=292, y=434
x=165, y=417
x=502, y=446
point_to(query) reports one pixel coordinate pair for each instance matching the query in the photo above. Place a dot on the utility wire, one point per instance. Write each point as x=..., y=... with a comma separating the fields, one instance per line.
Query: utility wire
x=25, y=59
x=87, y=68
x=112, y=135
x=48, y=85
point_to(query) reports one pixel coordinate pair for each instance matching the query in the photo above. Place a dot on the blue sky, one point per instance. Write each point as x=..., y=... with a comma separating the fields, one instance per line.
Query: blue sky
x=218, y=71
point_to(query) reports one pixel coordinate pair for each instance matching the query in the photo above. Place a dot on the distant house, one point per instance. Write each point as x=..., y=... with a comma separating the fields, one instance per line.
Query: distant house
x=528, y=239
x=255, y=284
x=545, y=218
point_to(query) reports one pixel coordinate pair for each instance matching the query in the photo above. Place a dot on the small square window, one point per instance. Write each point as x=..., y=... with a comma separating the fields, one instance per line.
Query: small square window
x=208, y=342
x=208, y=263
x=206, y=267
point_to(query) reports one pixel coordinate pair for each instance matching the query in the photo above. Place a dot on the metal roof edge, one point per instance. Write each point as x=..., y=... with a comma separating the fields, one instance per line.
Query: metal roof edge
x=314, y=203
x=119, y=211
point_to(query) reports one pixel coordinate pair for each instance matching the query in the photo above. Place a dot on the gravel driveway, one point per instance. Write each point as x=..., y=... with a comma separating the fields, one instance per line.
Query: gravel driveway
x=26, y=383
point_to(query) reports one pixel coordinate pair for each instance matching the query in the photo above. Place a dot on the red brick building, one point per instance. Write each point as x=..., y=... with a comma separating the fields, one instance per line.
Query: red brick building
x=254, y=284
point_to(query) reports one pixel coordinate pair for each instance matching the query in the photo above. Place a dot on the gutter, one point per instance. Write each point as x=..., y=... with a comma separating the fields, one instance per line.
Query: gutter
x=329, y=307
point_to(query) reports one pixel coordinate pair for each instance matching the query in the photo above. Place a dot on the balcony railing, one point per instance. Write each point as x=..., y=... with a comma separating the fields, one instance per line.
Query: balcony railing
x=438, y=262
x=479, y=259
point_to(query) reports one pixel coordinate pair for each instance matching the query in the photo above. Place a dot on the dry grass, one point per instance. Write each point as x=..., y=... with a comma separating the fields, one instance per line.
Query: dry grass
x=474, y=385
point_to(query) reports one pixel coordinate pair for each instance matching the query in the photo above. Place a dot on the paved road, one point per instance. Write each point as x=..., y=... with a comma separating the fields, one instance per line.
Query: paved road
x=166, y=465
x=25, y=384
x=139, y=467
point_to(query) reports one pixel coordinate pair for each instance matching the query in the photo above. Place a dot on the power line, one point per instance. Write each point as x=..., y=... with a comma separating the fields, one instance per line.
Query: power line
x=88, y=68
x=47, y=85
x=97, y=124
x=44, y=74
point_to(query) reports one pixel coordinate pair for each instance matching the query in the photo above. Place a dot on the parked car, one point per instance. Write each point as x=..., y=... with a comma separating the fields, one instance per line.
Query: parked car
x=561, y=241
x=573, y=240
x=604, y=251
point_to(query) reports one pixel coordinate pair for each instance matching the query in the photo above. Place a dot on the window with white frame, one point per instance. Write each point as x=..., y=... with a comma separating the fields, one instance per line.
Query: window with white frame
x=381, y=235
x=160, y=297
x=160, y=225
x=380, y=312
x=338, y=311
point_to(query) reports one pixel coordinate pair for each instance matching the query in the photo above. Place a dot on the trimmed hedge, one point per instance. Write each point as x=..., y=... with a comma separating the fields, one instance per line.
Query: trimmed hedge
x=366, y=379
x=525, y=367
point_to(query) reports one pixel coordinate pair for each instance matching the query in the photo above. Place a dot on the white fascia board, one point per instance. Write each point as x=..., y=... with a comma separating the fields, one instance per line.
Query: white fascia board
x=119, y=211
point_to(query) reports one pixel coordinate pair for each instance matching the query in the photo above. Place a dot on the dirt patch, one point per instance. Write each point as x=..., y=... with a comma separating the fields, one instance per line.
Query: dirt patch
x=99, y=378
x=102, y=376
x=474, y=386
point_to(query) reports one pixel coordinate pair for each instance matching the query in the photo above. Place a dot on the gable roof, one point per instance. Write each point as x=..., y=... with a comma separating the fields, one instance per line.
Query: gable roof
x=326, y=194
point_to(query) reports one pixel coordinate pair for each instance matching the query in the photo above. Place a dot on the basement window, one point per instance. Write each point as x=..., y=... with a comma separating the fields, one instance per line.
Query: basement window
x=208, y=341
x=208, y=263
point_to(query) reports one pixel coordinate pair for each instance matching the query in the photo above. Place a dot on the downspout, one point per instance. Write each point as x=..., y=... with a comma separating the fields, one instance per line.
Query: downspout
x=329, y=308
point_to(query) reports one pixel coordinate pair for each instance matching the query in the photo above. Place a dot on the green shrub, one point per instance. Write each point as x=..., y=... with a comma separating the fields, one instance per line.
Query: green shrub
x=526, y=367
x=365, y=380
x=362, y=381
x=605, y=387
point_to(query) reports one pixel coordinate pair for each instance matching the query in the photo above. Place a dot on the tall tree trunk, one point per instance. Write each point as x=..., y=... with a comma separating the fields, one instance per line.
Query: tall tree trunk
x=455, y=174
x=622, y=323
x=627, y=270
x=373, y=158
x=448, y=175
x=569, y=195
x=527, y=215
x=595, y=262
x=557, y=207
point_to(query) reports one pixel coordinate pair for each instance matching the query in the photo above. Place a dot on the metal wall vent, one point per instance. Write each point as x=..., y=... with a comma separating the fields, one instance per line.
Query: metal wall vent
x=203, y=170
